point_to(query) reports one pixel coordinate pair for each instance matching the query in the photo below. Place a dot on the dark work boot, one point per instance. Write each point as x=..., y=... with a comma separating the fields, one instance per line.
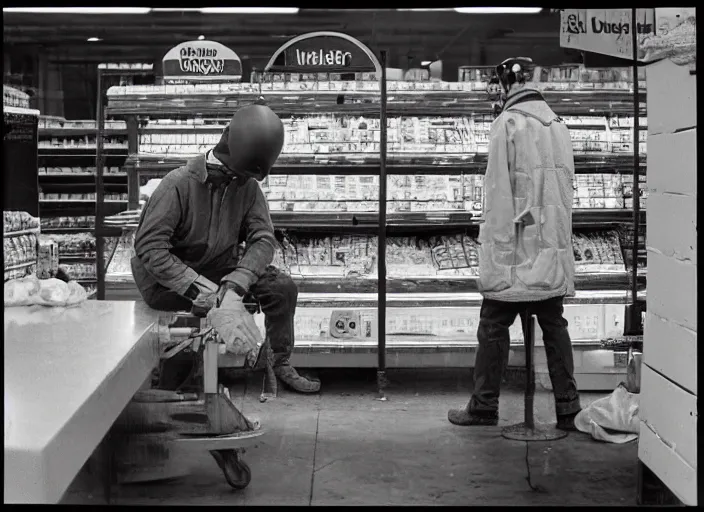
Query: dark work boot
x=288, y=375
x=566, y=422
x=465, y=418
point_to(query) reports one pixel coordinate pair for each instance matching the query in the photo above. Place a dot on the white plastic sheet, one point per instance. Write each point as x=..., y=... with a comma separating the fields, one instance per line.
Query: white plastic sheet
x=612, y=419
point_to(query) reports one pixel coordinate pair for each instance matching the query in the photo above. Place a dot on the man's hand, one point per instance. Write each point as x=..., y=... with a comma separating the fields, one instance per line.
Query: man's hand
x=234, y=324
x=207, y=296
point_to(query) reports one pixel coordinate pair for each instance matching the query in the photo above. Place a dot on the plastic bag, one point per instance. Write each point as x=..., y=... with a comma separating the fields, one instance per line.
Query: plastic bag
x=53, y=292
x=21, y=292
x=613, y=419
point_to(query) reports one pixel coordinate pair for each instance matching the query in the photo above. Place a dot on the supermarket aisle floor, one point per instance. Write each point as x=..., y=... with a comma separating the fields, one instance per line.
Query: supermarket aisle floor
x=343, y=447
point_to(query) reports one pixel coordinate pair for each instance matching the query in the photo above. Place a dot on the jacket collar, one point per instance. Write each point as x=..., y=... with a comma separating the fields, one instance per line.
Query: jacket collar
x=524, y=94
x=198, y=166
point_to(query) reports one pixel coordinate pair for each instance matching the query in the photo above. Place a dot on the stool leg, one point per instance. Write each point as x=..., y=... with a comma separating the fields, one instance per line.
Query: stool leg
x=529, y=430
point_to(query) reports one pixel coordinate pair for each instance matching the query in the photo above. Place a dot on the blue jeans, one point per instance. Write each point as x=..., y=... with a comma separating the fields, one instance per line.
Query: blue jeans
x=494, y=342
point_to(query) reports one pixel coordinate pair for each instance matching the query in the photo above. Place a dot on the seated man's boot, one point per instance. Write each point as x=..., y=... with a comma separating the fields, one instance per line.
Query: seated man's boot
x=465, y=418
x=291, y=379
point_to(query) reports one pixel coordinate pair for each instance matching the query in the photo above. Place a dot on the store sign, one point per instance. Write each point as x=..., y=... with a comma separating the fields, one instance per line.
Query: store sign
x=605, y=31
x=196, y=61
x=322, y=52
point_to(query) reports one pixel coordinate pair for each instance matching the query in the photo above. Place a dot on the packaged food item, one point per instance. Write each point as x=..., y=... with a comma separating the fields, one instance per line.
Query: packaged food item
x=48, y=259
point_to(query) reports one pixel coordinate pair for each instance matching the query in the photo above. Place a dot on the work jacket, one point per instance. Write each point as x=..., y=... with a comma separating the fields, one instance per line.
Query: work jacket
x=193, y=224
x=525, y=251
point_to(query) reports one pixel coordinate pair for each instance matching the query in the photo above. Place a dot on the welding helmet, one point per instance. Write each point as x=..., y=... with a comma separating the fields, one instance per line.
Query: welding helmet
x=252, y=142
x=514, y=70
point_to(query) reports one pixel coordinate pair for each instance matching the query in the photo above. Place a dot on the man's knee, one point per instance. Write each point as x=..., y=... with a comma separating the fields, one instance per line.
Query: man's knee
x=277, y=293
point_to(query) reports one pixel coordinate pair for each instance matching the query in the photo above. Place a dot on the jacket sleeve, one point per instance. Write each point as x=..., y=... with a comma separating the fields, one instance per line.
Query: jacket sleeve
x=152, y=243
x=260, y=242
x=498, y=203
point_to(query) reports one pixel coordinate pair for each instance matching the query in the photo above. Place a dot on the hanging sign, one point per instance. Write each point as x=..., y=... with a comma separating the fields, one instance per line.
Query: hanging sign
x=321, y=52
x=605, y=31
x=201, y=61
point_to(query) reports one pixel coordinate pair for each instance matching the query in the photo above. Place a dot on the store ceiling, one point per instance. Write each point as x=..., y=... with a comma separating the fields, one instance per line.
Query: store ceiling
x=255, y=37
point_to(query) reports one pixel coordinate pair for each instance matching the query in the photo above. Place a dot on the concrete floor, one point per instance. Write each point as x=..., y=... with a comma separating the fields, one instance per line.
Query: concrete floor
x=344, y=447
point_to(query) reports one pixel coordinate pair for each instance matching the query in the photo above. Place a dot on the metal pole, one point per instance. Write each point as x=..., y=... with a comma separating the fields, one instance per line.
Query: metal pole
x=99, y=205
x=636, y=162
x=528, y=322
x=381, y=255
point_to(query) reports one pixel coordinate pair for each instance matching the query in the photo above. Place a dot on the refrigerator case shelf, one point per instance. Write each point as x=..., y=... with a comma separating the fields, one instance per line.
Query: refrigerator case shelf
x=317, y=292
x=167, y=102
x=397, y=163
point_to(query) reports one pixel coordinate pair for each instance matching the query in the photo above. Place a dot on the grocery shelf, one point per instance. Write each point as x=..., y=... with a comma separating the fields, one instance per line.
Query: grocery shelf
x=81, y=201
x=397, y=163
x=72, y=258
x=79, y=132
x=399, y=103
x=76, y=175
x=58, y=151
x=359, y=291
x=108, y=232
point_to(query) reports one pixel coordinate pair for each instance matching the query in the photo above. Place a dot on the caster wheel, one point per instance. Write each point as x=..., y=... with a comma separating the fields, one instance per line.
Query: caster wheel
x=236, y=471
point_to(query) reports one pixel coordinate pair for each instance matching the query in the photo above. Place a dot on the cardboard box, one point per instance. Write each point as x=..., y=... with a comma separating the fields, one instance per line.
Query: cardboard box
x=672, y=163
x=670, y=412
x=672, y=98
x=672, y=226
x=671, y=349
x=672, y=289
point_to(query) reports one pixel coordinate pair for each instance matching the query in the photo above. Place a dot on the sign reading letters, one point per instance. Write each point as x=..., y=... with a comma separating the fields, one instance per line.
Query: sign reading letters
x=201, y=61
x=320, y=53
x=605, y=31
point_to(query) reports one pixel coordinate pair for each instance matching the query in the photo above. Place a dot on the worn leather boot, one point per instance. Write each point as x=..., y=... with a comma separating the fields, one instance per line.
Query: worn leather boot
x=465, y=418
x=288, y=375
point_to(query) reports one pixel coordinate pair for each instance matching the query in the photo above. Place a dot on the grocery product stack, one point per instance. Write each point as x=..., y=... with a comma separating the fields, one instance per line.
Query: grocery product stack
x=12, y=97
x=67, y=193
x=20, y=243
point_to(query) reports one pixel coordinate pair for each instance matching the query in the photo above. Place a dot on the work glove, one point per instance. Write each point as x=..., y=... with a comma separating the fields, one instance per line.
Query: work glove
x=206, y=298
x=234, y=324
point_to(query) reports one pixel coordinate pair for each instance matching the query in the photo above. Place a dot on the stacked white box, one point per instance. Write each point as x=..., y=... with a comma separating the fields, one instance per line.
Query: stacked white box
x=668, y=407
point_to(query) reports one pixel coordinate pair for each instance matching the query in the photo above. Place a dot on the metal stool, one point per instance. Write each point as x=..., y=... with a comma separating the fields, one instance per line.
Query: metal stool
x=528, y=430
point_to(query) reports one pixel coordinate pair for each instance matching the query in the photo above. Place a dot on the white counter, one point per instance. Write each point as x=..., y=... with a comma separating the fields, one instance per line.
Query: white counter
x=69, y=372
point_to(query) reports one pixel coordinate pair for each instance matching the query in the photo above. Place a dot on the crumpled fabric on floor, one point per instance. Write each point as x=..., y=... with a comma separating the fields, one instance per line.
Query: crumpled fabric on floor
x=612, y=419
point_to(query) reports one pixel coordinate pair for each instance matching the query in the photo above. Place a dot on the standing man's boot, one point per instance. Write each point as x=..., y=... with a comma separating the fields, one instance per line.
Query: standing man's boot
x=291, y=378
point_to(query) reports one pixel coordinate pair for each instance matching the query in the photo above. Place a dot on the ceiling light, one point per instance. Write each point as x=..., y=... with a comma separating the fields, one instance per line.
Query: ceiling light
x=498, y=10
x=201, y=37
x=79, y=10
x=426, y=63
x=93, y=39
x=249, y=10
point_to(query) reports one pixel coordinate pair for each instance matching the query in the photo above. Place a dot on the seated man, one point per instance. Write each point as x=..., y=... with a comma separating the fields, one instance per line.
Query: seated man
x=187, y=243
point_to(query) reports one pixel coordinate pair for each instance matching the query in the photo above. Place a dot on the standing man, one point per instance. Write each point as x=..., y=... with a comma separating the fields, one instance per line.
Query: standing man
x=526, y=260
x=187, y=245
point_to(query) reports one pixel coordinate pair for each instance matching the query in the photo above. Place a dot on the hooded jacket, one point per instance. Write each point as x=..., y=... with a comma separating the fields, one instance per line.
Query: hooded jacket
x=525, y=251
x=193, y=224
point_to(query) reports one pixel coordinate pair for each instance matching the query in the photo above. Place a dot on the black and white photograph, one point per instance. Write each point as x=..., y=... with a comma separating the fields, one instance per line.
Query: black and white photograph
x=292, y=256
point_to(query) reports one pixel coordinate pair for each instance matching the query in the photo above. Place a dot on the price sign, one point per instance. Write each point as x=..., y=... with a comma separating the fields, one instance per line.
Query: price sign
x=201, y=61
x=321, y=52
x=605, y=31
